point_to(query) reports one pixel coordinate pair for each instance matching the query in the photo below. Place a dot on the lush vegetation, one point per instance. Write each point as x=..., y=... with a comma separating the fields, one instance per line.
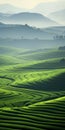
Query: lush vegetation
x=32, y=89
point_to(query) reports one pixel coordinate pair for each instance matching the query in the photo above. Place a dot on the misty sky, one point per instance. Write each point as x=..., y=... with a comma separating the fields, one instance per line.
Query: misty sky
x=25, y=3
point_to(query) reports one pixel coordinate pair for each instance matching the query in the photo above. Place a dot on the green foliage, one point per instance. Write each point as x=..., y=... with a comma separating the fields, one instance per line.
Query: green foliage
x=32, y=90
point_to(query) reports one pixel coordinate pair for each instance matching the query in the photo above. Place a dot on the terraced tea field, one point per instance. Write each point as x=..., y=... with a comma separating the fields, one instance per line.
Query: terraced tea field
x=32, y=89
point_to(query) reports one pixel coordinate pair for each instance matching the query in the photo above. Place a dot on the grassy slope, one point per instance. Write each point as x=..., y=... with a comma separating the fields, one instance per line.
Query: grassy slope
x=23, y=104
x=42, y=54
x=8, y=60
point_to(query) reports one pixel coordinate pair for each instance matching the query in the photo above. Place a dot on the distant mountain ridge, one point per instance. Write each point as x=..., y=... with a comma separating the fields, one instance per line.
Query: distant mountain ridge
x=48, y=7
x=8, y=8
x=33, y=19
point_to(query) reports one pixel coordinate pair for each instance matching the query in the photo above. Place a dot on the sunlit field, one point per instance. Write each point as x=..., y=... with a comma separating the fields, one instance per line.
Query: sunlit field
x=32, y=89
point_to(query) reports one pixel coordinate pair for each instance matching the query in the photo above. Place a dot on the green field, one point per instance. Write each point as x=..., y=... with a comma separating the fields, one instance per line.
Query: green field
x=32, y=89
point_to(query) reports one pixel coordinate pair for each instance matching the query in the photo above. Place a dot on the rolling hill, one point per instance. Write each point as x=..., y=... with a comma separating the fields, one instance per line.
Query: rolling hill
x=32, y=89
x=22, y=32
x=28, y=32
x=27, y=37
